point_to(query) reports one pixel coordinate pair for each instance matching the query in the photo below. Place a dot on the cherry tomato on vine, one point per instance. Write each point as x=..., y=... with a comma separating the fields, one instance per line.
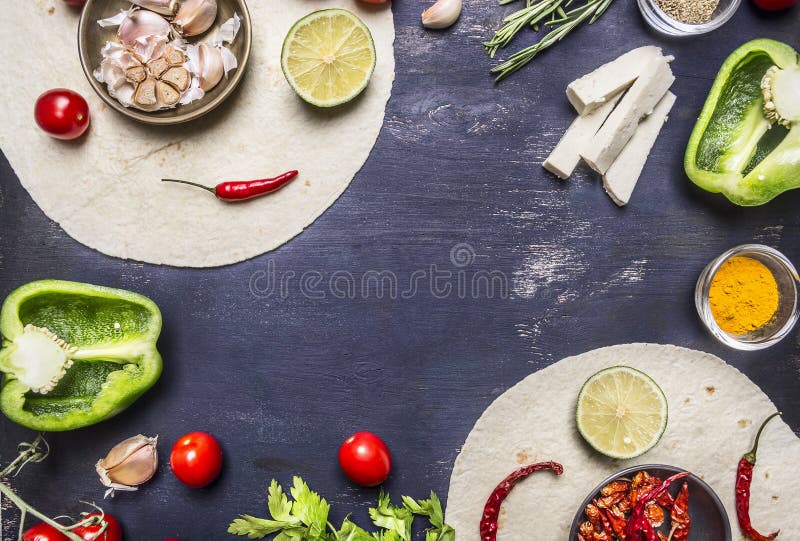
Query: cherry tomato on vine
x=365, y=459
x=774, y=5
x=196, y=459
x=113, y=531
x=43, y=532
x=62, y=113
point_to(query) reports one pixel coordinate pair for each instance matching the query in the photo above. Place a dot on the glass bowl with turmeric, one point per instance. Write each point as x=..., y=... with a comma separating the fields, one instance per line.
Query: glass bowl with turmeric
x=747, y=297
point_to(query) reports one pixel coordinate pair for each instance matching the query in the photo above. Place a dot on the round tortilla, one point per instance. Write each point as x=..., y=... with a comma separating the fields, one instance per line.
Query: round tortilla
x=105, y=189
x=714, y=412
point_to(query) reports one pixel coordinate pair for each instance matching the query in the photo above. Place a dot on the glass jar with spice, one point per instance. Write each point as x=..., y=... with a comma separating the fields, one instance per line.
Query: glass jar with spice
x=748, y=297
x=687, y=17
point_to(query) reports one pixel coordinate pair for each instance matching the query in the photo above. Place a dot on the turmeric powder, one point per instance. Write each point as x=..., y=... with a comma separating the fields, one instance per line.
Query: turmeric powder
x=743, y=296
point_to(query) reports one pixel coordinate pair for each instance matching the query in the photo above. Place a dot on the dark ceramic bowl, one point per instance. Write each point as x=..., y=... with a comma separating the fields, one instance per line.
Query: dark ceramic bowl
x=91, y=39
x=709, y=519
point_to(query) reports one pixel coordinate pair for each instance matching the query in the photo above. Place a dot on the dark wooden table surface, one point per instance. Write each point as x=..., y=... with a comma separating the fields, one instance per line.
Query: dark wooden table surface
x=454, y=184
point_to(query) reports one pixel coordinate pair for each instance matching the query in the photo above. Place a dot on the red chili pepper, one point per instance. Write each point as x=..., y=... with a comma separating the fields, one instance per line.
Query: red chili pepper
x=239, y=190
x=639, y=527
x=744, y=477
x=491, y=510
x=679, y=516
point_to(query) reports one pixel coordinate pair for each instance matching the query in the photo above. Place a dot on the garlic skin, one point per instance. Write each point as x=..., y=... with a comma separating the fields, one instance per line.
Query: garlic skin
x=164, y=7
x=129, y=463
x=140, y=25
x=195, y=17
x=441, y=14
x=211, y=68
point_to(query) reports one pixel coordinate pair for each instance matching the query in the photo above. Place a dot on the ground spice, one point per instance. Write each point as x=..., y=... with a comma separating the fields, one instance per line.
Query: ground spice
x=743, y=296
x=689, y=11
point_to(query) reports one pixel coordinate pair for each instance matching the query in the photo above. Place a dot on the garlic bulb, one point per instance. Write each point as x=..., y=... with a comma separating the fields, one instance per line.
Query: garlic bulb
x=441, y=14
x=164, y=7
x=195, y=16
x=129, y=463
x=140, y=25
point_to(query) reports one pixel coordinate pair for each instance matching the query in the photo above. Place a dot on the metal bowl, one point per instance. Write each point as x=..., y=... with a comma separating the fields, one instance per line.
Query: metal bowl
x=91, y=38
x=709, y=519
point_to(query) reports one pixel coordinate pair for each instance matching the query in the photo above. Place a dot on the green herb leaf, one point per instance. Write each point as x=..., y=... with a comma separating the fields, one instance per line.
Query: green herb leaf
x=278, y=503
x=255, y=528
x=392, y=517
x=310, y=508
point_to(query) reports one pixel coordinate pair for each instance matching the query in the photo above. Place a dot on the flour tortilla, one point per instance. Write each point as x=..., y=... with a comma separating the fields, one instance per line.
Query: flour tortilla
x=714, y=411
x=104, y=189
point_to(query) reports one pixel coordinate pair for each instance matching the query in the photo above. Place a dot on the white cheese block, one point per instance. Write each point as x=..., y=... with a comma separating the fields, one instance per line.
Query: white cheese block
x=565, y=157
x=594, y=89
x=638, y=102
x=620, y=179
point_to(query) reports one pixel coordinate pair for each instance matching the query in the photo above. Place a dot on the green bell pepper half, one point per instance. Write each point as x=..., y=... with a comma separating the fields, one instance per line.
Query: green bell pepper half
x=734, y=148
x=75, y=354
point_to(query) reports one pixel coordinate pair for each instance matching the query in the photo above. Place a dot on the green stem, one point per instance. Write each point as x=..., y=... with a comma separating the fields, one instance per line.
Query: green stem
x=751, y=455
x=189, y=183
x=25, y=508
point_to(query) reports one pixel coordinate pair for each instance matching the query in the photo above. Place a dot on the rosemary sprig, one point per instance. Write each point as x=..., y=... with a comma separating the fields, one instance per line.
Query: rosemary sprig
x=562, y=22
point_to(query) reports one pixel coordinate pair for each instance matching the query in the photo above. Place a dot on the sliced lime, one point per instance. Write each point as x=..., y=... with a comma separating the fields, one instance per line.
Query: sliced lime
x=621, y=412
x=328, y=57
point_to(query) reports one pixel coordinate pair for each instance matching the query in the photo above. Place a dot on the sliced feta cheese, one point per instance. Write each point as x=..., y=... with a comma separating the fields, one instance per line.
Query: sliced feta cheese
x=594, y=89
x=620, y=179
x=565, y=157
x=638, y=102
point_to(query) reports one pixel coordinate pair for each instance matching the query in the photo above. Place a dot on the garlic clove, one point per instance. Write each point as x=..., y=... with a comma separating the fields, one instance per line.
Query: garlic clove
x=136, y=74
x=145, y=94
x=157, y=67
x=140, y=25
x=164, y=7
x=195, y=16
x=129, y=463
x=166, y=94
x=211, y=68
x=178, y=77
x=174, y=57
x=441, y=14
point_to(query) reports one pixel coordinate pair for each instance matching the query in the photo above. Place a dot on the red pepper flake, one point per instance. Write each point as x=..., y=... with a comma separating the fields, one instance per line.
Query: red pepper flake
x=491, y=511
x=239, y=190
x=639, y=528
x=744, y=477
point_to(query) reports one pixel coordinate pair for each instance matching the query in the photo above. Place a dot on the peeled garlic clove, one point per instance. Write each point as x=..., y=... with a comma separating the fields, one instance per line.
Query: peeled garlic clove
x=441, y=14
x=157, y=67
x=178, y=77
x=145, y=94
x=211, y=68
x=142, y=24
x=164, y=7
x=195, y=16
x=129, y=463
x=166, y=94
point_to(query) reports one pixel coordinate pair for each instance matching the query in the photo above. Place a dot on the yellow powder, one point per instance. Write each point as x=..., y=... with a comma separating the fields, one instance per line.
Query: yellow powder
x=743, y=295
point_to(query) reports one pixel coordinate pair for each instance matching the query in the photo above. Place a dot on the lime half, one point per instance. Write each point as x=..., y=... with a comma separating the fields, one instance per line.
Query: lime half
x=621, y=412
x=328, y=57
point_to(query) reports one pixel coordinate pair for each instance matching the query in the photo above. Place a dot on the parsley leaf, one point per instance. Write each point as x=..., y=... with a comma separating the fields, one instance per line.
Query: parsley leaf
x=306, y=518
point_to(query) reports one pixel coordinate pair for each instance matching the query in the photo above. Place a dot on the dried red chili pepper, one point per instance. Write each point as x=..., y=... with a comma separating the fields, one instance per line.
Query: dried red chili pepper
x=491, y=511
x=744, y=477
x=638, y=526
x=239, y=190
x=679, y=516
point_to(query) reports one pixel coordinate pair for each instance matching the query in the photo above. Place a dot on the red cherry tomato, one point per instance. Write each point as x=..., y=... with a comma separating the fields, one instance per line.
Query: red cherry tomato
x=365, y=459
x=113, y=531
x=62, y=113
x=196, y=459
x=774, y=5
x=43, y=532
